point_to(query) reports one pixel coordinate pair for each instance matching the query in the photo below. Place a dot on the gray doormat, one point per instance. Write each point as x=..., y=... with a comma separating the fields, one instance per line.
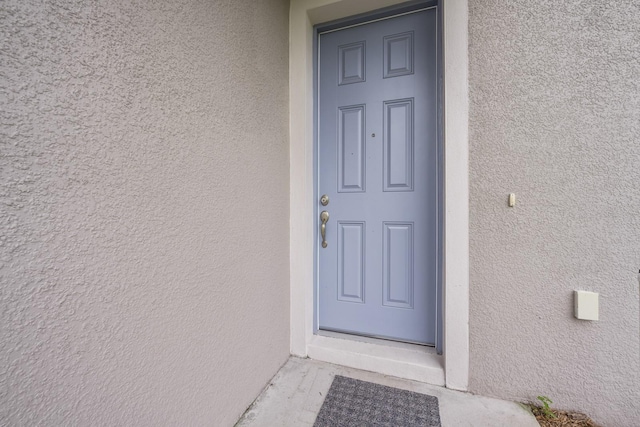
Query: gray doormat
x=353, y=402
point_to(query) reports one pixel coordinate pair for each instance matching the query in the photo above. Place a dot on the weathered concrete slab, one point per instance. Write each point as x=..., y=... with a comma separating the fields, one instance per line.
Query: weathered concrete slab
x=296, y=393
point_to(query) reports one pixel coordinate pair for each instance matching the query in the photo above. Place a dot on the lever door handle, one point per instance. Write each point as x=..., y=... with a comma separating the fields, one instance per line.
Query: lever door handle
x=324, y=217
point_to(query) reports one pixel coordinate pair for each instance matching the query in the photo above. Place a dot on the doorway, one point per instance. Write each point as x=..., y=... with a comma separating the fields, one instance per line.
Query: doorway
x=378, y=177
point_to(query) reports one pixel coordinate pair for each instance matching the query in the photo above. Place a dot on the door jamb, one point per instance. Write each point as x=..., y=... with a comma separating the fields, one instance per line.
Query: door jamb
x=304, y=14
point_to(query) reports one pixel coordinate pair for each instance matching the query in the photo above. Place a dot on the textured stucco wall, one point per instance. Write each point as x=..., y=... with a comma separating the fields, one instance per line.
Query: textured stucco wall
x=143, y=209
x=555, y=118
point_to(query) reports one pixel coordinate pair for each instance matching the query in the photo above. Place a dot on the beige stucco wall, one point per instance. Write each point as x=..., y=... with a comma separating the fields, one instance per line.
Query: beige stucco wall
x=555, y=118
x=144, y=210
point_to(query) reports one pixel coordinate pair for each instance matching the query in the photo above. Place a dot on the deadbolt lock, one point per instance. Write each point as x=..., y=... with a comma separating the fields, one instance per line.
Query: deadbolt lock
x=324, y=200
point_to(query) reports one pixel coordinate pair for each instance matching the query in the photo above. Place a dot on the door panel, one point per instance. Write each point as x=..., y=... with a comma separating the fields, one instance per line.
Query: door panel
x=351, y=149
x=398, y=145
x=397, y=265
x=377, y=147
x=351, y=261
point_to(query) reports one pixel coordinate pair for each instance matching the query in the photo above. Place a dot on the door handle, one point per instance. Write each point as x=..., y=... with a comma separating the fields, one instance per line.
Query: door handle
x=324, y=217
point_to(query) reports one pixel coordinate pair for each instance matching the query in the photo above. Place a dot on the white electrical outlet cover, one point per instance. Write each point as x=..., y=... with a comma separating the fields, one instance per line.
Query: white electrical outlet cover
x=586, y=305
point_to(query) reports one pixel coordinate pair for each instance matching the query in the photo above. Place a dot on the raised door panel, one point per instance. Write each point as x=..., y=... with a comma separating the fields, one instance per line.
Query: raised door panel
x=398, y=55
x=397, y=265
x=351, y=256
x=351, y=63
x=398, y=145
x=351, y=149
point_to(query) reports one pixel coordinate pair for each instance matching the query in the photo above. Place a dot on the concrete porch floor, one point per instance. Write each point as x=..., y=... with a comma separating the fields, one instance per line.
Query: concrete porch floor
x=295, y=395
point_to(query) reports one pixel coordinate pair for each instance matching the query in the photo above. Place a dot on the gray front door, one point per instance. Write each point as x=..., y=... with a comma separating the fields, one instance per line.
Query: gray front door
x=378, y=165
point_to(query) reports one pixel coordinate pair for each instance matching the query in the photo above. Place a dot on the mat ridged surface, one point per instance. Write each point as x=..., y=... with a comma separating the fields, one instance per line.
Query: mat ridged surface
x=352, y=402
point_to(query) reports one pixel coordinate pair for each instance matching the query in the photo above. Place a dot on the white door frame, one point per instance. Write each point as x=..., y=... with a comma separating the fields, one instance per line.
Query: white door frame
x=454, y=363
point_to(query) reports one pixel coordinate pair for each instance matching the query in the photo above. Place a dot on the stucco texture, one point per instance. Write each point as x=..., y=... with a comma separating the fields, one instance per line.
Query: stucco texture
x=144, y=209
x=555, y=119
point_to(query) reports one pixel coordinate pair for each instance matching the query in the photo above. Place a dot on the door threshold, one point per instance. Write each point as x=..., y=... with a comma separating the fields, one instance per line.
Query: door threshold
x=402, y=360
x=374, y=340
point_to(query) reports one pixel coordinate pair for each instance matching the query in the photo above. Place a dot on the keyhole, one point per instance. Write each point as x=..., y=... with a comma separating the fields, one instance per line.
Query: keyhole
x=373, y=135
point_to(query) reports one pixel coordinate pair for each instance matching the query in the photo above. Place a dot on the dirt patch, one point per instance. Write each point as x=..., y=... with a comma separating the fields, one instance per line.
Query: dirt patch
x=563, y=418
